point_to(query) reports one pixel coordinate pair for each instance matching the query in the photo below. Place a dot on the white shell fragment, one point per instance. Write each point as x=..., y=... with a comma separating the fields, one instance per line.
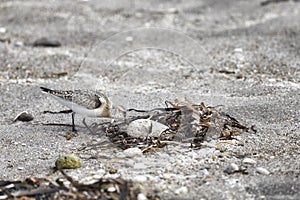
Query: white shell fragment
x=181, y=190
x=141, y=196
x=262, y=170
x=230, y=169
x=140, y=178
x=2, y=30
x=249, y=161
x=145, y=127
x=132, y=152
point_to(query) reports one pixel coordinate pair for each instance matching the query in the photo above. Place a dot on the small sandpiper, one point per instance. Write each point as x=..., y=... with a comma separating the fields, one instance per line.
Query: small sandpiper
x=85, y=102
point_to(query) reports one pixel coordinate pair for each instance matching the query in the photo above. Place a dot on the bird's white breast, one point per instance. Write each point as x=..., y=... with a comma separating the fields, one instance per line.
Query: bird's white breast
x=79, y=109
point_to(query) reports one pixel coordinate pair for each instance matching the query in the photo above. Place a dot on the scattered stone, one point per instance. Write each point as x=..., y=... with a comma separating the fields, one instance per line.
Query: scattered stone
x=262, y=170
x=138, y=14
x=24, y=117
x=97, y=176
x=3, y=196
x=68, y=136
x=232, y=168
x=46, y=42
x=112, y=170
x=238, y=50
x=89, y=180
x=129, y=39
x=2, y=30
x=182, y=190
x=19, y=44
x=140, y=166
x=5, y=40
x=133, y=152
x=141, y=196
x=111, y=189
x=68, y=162
x=20, y=168
x=173, y=10
x=249, y=161
x=167, y=176
x=140, y=178
x=145, y=127
x=205, y=172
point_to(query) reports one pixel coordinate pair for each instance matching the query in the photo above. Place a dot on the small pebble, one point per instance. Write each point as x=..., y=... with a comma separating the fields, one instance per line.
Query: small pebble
x=138, y=14
x=167, y=176
x=19, y=44
x=140, y=166
x=141, y=196
x=24, y=117
x=238, y=50
x=97, y=176
x=129, y=39
x=68, y=161
x=2, y=30
x=262, y=170
x=89, y=181
x=231, y=168
x=132, y=152
x=205, y=172
x=3, y=196
x=249, y=161
x=111, y=189
x=46, y=42
x=112, y=170
x=182, y=190
x=140, y=178
x=10, y=186
x=172, y=10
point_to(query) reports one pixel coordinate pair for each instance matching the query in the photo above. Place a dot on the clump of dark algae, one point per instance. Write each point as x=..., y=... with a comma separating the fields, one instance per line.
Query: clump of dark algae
x=185, y=122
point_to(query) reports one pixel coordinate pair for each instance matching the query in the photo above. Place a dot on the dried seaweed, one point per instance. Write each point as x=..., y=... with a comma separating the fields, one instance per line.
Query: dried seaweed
x=187, y=123
x=43, y=188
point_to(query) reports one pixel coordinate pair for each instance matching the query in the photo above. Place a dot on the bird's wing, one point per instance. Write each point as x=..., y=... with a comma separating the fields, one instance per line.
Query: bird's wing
x=87, y=99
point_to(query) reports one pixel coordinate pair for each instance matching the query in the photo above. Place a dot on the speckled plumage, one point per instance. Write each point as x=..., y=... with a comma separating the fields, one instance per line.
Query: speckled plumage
x=88, y=99
x=86, y=102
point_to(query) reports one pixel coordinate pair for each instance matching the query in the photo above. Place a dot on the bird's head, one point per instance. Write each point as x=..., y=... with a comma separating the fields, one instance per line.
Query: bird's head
x=105, y=106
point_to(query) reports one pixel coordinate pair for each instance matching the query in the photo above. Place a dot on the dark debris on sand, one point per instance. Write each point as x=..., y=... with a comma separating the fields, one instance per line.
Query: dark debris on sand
x=187, y=123
x=44, y=188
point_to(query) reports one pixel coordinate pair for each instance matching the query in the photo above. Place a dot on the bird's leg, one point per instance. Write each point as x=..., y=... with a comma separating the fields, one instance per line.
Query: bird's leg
x=73, y=124
x=66, y=111
x=85, y=124
x=59, y=112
